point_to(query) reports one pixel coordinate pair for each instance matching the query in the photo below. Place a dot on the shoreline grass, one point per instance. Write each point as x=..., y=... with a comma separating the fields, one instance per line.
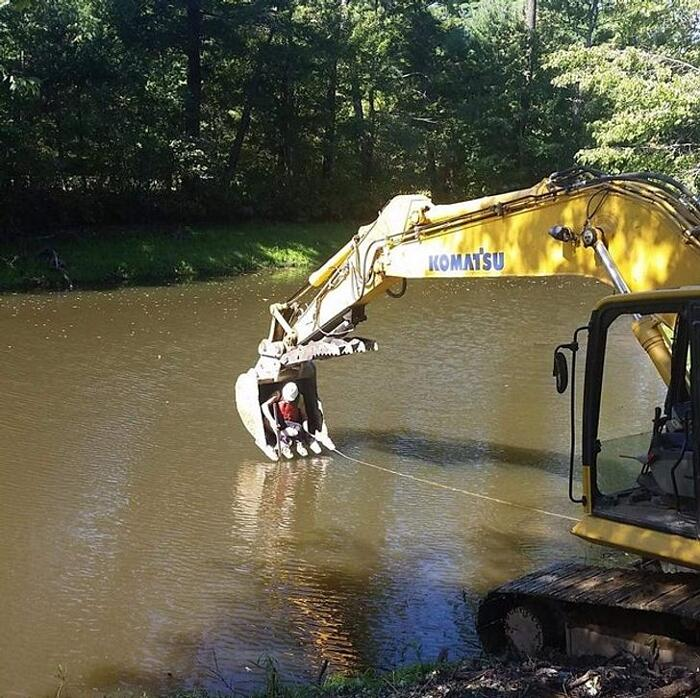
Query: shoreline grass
x=365, y=684
x=555, y=674
x=104, y=258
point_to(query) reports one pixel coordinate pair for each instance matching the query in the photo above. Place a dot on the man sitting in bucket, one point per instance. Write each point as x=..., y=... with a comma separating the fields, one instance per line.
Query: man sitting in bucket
x=290, y=421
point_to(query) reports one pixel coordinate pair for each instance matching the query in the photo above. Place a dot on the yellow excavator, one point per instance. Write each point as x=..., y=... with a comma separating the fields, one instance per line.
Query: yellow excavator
x=640, y=234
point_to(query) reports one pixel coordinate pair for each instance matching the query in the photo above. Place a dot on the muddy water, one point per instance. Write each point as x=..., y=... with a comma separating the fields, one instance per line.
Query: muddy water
x=145, y=543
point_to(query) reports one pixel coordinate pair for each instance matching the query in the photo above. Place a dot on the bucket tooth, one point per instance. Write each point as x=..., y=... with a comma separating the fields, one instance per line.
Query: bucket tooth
x=326, y=348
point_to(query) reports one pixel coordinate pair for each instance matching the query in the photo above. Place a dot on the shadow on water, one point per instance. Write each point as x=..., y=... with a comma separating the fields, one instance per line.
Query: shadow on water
x=441, y=451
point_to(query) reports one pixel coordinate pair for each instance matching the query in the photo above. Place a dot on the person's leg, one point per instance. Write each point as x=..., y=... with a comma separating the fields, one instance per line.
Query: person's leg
x=309, y=440
x=292, y=437
x=286, y=443
x=298, y=436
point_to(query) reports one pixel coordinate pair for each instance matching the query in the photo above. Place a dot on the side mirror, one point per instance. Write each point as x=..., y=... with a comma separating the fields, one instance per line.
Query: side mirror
x=561, y=371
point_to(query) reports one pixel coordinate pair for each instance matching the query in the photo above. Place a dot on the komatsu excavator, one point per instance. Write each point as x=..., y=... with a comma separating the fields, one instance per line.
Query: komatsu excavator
x=640, y=234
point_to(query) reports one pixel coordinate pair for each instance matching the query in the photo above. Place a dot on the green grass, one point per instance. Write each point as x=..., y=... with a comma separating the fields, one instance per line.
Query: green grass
x=370, y=683
x=100, y=259
x=373, y=683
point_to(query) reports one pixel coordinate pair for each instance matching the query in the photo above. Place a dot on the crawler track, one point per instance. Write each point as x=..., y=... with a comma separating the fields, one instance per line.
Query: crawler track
x=595, y=610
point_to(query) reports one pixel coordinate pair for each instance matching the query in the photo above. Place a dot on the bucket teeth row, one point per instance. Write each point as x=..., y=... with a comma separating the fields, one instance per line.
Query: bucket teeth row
x=327, y=348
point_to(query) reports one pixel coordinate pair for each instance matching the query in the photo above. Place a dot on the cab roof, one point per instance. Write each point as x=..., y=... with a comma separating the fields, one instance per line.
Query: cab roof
x=677, y=295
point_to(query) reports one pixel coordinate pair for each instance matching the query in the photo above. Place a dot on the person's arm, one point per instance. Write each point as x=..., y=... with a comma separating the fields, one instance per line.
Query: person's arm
x=267, y=411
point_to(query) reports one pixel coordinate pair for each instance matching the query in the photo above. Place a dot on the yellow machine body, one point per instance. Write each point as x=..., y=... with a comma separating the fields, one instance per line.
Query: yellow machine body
x=635, y=233
x=636, y=540
x=638, y=233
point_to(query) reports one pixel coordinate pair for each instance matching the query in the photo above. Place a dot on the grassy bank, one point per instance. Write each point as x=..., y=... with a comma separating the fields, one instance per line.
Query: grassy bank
x=556, y=676
x=143, y=256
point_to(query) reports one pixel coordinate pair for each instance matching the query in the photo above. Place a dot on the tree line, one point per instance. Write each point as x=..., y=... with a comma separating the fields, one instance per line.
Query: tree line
x=116, y=111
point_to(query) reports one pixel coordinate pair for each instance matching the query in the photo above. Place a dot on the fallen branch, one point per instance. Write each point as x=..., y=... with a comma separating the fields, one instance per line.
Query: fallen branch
x=680, y=687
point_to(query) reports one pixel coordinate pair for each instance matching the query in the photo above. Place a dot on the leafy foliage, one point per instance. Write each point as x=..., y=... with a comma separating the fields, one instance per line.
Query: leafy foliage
x=141, y=110
x=643, y=84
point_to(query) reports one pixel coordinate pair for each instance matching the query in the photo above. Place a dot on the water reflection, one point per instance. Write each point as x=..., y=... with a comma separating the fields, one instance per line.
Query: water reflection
x=328, y=578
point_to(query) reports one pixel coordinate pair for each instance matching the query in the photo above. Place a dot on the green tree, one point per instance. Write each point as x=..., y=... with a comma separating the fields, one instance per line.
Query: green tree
x=642, y=85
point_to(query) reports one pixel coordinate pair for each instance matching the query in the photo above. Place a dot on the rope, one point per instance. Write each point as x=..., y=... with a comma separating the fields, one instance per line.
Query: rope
x=439, y=485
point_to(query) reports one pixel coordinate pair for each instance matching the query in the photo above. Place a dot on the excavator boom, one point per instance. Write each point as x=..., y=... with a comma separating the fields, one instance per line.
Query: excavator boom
x=635, y=232
x=644, y=233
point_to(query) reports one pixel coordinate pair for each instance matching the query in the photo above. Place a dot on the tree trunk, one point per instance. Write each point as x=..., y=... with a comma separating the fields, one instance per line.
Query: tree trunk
x=525, y=97
x=531, y=24
x=685, y=686
x=241, y=132
x=250, y=94
x=592, y=21
x=286, y=123
x=364, y=138
x=358, y=112
x=330, y=130
x=371, y=131
x=193, y=51
x=431, y=168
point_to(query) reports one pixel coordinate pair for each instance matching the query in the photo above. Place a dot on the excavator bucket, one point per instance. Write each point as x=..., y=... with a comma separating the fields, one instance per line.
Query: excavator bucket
x=251, y=393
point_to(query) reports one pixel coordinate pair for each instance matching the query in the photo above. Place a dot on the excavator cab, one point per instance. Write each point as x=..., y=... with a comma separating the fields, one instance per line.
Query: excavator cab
x=641, y=466
x=640, y=477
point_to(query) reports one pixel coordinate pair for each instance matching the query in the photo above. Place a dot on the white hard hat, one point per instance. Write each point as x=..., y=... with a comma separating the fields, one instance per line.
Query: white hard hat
x=290, y=392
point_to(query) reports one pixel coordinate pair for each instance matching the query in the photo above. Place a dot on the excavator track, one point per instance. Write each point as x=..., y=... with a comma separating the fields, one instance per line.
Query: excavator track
x=588, y=610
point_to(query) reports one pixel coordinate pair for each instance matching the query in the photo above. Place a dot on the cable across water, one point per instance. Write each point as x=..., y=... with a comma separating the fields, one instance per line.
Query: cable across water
x=457, y=490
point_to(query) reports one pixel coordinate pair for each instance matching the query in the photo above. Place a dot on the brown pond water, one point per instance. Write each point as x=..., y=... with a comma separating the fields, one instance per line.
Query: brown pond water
x=145, y=543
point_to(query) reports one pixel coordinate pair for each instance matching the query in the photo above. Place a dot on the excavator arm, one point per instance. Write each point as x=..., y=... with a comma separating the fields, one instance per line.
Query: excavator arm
x=635, y=232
